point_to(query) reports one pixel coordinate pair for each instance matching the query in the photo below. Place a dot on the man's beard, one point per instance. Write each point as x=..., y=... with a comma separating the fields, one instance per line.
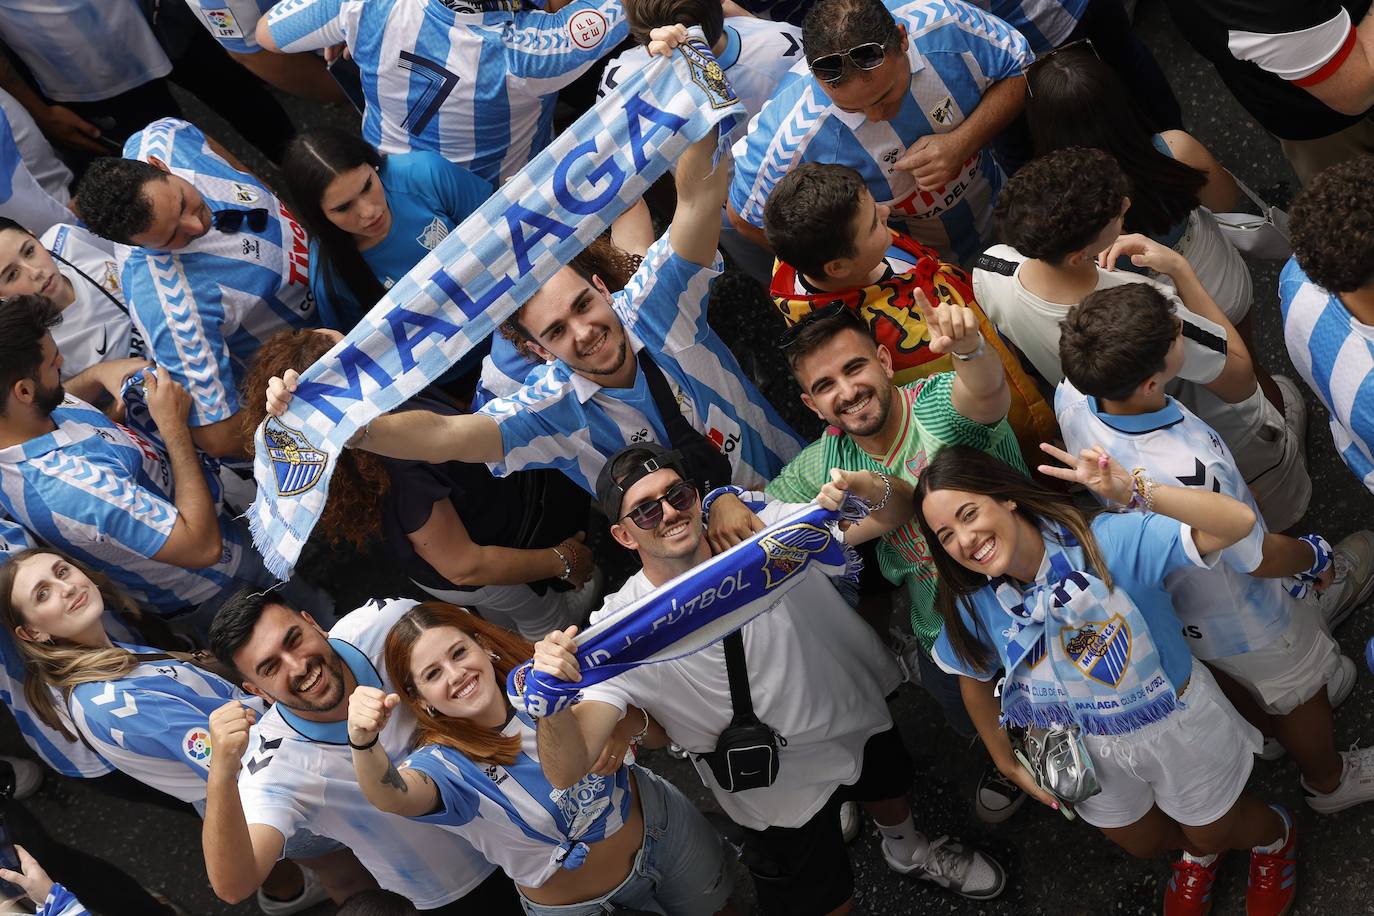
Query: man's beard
x=331, y=700
x=46, y=400
x=883, y=398
x=581, y=369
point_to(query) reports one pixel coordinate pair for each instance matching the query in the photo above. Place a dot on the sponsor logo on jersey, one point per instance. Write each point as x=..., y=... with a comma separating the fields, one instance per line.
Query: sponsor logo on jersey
x=196, y=746
x=587, y=28
x=432, y=235
x=222, y=23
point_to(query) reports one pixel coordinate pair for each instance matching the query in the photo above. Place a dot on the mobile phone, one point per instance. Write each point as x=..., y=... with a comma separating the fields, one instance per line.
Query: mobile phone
x=8, y=859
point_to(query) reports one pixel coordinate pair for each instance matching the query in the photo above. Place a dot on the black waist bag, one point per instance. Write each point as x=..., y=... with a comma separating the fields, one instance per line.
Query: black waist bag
x=746, y=754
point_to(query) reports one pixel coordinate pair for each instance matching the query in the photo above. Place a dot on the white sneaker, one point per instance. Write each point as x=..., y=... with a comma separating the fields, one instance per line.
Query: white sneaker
x=1357, y=784
x=1353, y=558
x=850, y=821
x=1342, y=682
x=965, y=871
x=28, y=777
x=312, y=892
x=1294, y=409
x=907, y=649
x=1272, y=749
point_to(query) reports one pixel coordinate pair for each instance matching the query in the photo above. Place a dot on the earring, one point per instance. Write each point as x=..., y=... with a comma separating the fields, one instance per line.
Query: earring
x=493, y=656
x=432, y=711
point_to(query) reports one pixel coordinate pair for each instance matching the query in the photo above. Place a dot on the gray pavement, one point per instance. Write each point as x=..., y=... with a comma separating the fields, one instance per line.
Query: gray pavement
x=1054, y=866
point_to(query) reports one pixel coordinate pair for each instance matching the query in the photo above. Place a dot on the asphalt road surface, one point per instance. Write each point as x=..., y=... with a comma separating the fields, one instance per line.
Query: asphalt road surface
x=1054, y=866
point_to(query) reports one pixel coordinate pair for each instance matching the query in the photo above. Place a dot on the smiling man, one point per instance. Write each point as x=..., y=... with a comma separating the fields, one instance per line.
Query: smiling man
x=293, y=770
x=907, y=94
x=214, y=265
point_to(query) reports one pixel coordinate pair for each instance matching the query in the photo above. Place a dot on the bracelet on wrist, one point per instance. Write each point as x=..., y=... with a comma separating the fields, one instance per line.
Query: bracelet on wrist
x=887, y=493
x=643, y=732
x=567, y=564
x=1143, y=491
x=972, y=354
x=364, y=747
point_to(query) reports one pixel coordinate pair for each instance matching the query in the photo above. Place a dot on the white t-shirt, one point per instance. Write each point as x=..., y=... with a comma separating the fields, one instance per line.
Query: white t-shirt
x=299, y=775
x=1032, y=323
x=47, y=169
x=94, y=328
x=818, y=675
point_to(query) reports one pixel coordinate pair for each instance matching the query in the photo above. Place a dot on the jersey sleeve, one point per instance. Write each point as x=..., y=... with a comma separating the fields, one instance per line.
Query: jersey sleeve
x=22, y=199
x=182, y=325
x=536, y=423
x=801, y=478
x=553, y=49
x=458, y=800
x=459, y=191
x=123, y=515
x=948, y=661
x=230, y=22
x=130, y=728
x=664, y=303
x=935, y=411
x=307, y=25
x=1204, y=347
x=993, y=43
x=175, y=142
x=1147, y=547
x=1303, y=43
x=775, y=144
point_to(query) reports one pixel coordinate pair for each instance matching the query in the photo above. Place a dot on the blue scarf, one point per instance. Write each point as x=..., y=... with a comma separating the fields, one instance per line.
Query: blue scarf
x=699, y=607
x=477, y=277
x=1077, y=653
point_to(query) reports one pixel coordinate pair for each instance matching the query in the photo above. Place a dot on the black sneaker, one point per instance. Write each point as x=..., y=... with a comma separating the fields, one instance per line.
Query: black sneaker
x=997, y=797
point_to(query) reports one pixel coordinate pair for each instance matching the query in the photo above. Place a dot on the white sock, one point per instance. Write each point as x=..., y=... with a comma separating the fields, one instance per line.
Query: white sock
x=1204, y=861
x=1278, y=844
x=904, y=841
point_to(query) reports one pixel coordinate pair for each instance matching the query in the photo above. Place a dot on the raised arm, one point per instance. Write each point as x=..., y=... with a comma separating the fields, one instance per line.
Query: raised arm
x=238, y=855
x=407, y=792
x=980, y=390
x=892, y=499
x=415, y=435
x=1217, y=520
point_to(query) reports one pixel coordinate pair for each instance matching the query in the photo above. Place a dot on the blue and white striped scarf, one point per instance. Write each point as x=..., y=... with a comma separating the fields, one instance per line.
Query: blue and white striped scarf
x=1103, y=672
x=699, y=607
x=477, y=277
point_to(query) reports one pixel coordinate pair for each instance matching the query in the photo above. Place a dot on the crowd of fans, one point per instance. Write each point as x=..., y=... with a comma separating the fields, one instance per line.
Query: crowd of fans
x=1011, y=285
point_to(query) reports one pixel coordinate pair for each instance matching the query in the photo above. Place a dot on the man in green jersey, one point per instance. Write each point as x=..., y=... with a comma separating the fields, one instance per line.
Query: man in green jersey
x=846, y=378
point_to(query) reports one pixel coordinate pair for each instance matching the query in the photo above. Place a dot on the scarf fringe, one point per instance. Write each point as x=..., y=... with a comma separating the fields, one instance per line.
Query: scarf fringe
x=1024, y=714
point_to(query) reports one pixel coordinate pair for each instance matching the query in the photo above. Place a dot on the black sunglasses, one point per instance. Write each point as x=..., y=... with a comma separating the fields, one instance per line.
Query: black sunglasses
x=232, y=220
x=867, y=56
x=648, y=514
x=789, y=336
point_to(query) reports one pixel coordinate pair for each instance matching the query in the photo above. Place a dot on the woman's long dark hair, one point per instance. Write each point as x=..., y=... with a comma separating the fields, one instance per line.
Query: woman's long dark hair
x=1075, y=99
x=314, y=159
x=972, y=470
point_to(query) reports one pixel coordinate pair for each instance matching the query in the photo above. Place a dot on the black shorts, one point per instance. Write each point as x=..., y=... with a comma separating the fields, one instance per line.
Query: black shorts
x=805, y=870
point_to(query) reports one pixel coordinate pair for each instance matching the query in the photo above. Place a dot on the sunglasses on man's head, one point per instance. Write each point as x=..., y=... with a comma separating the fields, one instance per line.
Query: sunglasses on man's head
x=829, y=68
x=649, y=513
x=232, y=220
x=789, y=336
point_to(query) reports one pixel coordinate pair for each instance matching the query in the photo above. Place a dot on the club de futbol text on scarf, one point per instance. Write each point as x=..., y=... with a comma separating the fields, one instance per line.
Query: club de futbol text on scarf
x=477, y=277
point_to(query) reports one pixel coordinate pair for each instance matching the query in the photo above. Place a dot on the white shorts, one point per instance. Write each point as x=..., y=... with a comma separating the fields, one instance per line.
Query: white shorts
x=1218, y=265
x=1193, y=765
x=1290, y=670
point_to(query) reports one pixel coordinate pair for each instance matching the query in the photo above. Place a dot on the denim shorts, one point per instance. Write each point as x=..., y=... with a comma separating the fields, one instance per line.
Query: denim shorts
x=684, y=868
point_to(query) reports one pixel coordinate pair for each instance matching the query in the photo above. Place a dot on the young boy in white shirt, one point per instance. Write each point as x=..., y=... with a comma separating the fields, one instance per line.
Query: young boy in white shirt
x=1119, y=349
x=1061, y=216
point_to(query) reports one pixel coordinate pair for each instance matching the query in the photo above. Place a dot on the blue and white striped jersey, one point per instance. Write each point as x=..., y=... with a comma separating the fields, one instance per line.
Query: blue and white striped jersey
x=61, y=902
x=299, y=775
x=563, y=420
x=757, y=54
x=1334, y=354
x=52, y=747
x=154, y=723
x=476, y=87
x=22, y=198
x=232, y=22
x=1224, y=610
x=956, y=52
x=206, y=308
x=512, y=814
x=1046, y=24
x=103, y=493
x=83, y=50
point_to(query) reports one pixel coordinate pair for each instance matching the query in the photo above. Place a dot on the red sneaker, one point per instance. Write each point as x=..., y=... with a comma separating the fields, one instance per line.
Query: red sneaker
x=1190, y=888
x=1274, y=877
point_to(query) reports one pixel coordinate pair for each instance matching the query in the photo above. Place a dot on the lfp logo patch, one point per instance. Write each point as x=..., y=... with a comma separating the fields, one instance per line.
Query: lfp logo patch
x=196, y=746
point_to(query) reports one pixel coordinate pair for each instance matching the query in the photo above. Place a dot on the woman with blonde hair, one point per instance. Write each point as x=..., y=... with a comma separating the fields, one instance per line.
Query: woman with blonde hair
x=619, y=838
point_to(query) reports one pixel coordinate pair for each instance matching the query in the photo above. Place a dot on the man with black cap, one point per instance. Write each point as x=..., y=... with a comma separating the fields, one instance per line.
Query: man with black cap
x=814, y=673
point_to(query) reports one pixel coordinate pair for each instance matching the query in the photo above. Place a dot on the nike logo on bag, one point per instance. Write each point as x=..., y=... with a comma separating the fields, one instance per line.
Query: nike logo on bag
x=104, y=343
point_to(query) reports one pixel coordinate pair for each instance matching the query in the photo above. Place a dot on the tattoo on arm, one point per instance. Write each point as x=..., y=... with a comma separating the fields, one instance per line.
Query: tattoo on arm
x=392, y=778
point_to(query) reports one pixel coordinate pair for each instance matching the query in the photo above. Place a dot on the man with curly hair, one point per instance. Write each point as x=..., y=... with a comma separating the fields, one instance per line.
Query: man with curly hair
x=1326, y=292
x=1061, y=217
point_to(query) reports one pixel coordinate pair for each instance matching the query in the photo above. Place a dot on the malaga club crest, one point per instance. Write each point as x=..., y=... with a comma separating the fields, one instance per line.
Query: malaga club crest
x=1100, y=649
x=786, y=551
x=296, y=464
x=708, y=74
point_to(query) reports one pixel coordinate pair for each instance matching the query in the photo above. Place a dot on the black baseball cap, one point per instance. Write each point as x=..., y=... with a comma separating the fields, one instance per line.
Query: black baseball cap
x=651, y=457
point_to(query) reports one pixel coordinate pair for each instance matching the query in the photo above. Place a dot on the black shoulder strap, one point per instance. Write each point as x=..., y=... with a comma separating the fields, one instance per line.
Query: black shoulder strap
x=996, y=265
x=706, y=465
x=738, y=672
x=108, y=295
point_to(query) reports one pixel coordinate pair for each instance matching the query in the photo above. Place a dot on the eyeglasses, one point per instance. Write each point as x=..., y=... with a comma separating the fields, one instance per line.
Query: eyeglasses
x=648, y=514
x=789, y=336
x=868, y=56
x=1030, y=68
x=232, y=220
